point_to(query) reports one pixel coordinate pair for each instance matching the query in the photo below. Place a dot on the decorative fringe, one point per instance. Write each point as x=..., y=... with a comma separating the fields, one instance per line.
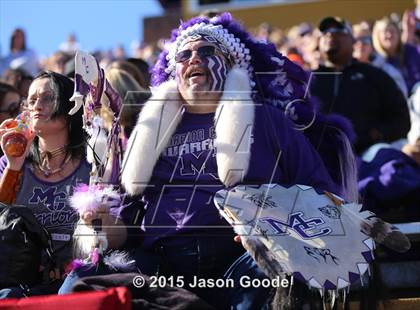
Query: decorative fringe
x=348, y=169
x=120, y=261
x=272, y=269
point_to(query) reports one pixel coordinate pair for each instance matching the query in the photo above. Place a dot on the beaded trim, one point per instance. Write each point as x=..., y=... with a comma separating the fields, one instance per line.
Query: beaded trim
x=239, y=53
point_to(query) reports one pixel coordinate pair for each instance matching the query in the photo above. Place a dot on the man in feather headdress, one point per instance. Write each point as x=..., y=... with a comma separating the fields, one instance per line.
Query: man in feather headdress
x=217, y=118
x=211, y=123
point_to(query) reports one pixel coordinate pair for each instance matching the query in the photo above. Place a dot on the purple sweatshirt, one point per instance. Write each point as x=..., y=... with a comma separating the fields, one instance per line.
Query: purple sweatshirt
x=184, y=180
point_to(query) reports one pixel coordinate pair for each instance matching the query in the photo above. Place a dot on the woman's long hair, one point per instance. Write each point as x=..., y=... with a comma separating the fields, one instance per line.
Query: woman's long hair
x=380, y=25
x=12, y=40
x=63, y=88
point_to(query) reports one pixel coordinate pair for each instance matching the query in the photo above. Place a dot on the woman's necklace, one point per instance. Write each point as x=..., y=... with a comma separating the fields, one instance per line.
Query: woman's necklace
x=46, y=156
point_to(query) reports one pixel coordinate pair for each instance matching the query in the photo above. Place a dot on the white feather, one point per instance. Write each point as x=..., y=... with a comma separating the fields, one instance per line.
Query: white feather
x=161, y=115
x=84, y=240
x=234, y=122
x=157, y=122
x=93, y=198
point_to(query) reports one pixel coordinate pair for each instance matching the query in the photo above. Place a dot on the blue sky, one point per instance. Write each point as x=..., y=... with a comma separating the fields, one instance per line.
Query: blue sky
x=98, y=24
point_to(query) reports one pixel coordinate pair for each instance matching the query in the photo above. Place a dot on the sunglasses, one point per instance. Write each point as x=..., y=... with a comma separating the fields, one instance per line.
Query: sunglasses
x=13, y=108
x=203, y=51
x=364, y=40
x=336, y=30
x=45, y=99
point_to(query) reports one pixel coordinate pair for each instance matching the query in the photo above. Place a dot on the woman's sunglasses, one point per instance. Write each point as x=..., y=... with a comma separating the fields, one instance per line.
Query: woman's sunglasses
x=366, y=40
x=203, y=51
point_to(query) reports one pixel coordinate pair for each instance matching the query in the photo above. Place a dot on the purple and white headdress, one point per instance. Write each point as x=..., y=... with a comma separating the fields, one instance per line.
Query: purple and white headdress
x=226, y=41
x=267, y=68
x=275, y=80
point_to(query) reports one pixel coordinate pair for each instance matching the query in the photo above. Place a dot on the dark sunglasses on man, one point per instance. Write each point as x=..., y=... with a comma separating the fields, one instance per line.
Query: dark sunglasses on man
x=333, y=30
x=365, y=40
x=202, y=52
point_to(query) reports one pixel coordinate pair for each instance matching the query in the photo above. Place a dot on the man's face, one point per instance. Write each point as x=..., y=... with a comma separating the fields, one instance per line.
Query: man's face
x=336, y=45
x=362, y=48
x=201, y=71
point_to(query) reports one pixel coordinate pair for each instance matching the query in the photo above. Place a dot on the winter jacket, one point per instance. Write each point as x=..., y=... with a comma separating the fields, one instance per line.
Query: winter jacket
x=368, y=97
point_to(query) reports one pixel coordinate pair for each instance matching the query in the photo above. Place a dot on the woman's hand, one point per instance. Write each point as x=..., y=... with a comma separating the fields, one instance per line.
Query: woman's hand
x=238, y=239
x=6, y=129
x=408, y=27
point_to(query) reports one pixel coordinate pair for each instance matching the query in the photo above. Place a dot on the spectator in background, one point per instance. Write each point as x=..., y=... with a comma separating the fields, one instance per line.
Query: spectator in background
x=57, y=62
x=278, y=38
x=364, y=94
x=119, y=52
x=411, y=26
x=20, y=56
x=19, y=79
x=363, y=51
x=263, y=32
x=309, y=39
x=131, y=69
x=71, y=46
x=302, y=45
x=132, y=94
x=149, y=52
x=10, y=102
x=143, y=66
x=405, y=57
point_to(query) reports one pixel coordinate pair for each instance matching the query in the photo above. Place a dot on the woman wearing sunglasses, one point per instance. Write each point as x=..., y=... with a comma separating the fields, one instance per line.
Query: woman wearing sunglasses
x=44, y=176
x=364, y=51
x=387, y=41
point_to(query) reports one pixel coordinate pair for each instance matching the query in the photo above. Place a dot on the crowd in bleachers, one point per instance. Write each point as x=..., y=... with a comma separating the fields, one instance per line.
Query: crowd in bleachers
x=377, y=111
x=368, y=72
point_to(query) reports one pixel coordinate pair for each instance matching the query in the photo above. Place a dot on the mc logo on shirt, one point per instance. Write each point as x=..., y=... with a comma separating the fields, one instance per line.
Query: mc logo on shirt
x=52, y=199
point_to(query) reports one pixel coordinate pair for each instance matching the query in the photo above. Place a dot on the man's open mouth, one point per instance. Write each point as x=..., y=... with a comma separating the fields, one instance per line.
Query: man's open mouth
x=196, y=72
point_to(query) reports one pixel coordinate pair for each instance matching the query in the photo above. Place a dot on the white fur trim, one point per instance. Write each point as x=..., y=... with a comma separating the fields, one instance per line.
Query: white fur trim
x=83, y=240
x=234, y=122
x=156, y=124
x=414, y=108
x=233, y=45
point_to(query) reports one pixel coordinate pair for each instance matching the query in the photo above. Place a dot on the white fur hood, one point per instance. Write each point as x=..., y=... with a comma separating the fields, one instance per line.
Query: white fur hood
x=160, y=116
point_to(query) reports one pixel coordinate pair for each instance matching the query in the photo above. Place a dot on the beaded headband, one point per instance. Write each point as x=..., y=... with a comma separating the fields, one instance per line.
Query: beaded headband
x=213, y=34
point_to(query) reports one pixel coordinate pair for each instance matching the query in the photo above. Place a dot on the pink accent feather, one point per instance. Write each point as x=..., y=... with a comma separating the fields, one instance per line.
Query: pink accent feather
x=91, y=197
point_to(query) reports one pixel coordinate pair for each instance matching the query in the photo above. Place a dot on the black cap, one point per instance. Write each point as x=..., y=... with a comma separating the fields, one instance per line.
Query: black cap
x=334, y=22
